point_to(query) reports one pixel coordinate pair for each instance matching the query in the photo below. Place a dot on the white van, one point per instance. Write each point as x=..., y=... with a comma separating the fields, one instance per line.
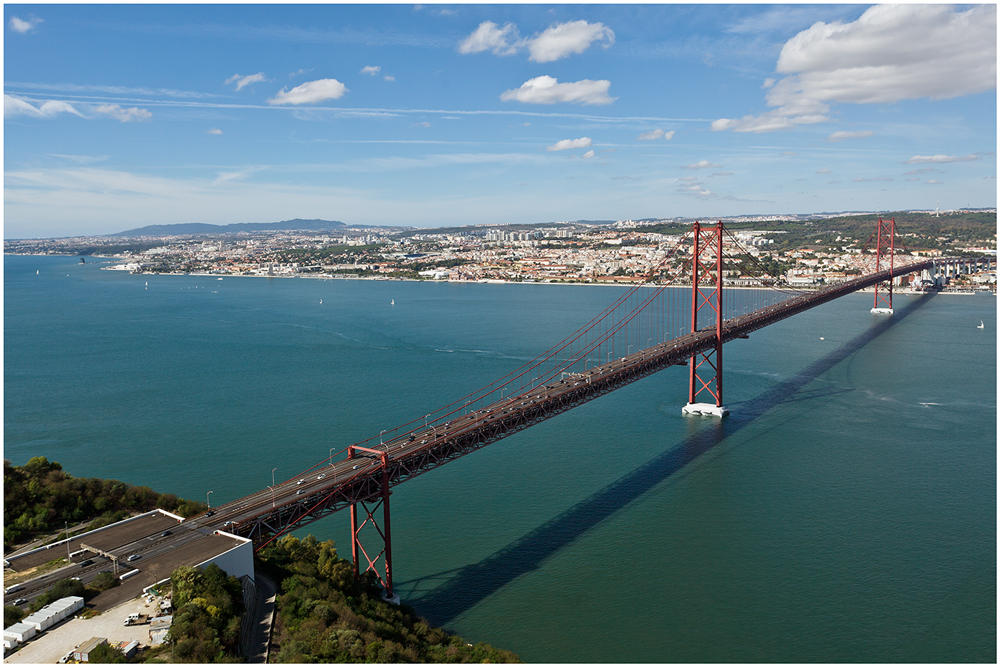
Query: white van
x=12, y=589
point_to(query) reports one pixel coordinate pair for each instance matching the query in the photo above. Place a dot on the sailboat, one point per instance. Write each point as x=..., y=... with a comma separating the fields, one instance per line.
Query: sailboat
x=981, y=325
x=392, y=302
x=321, y=302
x=36, y=272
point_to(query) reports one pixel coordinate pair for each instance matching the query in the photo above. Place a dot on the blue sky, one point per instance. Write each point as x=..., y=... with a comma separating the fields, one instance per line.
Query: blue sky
x=119, y=116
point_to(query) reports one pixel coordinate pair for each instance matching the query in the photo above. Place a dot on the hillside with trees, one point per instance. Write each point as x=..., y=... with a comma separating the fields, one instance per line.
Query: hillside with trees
x=208, y=607
x=40, y=497
x=324, y=615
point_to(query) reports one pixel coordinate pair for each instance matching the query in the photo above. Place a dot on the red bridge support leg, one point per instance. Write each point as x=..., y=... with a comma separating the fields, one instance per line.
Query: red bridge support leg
x=884, y=252
x=357, y=549
x=706, y=371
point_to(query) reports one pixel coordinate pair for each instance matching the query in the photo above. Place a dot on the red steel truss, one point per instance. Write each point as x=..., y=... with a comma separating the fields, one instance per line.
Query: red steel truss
x=383, y=531
x=262, y=519
x=885, y=236
x=707, y=269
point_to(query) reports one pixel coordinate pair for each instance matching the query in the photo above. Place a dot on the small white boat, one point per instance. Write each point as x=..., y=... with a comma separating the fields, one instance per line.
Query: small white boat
x=321, y=302
x=392, y=302
x=36, y=272
x=981, y=325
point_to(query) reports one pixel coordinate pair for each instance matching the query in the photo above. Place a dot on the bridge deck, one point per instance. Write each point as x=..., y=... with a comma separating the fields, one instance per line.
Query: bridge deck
x=330, y=488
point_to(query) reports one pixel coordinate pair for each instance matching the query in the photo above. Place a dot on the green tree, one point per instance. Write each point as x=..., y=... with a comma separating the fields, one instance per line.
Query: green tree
x=106, y=654
x=12, y=615
x=326, y=616
x=103, y=581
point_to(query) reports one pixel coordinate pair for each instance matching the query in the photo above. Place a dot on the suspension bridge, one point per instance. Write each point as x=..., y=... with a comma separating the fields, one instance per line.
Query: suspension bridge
x=681, y=313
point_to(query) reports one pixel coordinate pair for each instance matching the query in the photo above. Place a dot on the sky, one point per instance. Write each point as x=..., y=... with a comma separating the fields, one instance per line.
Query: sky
x=120, y=116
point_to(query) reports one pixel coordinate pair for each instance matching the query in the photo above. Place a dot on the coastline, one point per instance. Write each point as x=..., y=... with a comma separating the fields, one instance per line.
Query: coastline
x=116, y=263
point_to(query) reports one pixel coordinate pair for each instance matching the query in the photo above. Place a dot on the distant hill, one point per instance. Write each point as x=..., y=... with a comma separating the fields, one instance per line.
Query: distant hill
x=205, y=228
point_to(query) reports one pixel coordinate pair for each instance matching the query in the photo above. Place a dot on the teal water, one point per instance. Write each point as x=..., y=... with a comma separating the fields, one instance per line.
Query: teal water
x=846, y=511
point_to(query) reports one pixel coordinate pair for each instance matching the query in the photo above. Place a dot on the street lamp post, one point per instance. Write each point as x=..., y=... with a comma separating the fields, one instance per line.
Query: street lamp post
x=380, y=435
x=331, y=456
x=207, y=501
x=272, y=476
x=272, y=496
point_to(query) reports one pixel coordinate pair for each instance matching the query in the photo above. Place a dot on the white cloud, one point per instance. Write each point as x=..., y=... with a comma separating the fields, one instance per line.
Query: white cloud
x=876, y=179
x=566, y=144
x=389, y=77
x=840, y=136
x=702, y=164
x=588, y=155
x=656, y=134
x=565, y=39
x=940, y=159
x=13, y=106
x=370, y=69
x=123, y=115
x=244, y=81
x=548, y=90
x=22, y=26
x=934, y=181
x=242, y=174
x=891, y=53
x=214, y=130
x=721, y=173
x=554, y=43
x=694, y=189
x=422, y=124
x=489, y=36
x=824, y=171
x=311, y=92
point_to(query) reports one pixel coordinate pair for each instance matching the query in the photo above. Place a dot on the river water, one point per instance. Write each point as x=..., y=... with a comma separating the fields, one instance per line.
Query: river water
x=844, y=512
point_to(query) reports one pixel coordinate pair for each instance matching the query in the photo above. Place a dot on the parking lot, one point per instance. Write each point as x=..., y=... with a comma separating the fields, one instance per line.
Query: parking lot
x=51, y=645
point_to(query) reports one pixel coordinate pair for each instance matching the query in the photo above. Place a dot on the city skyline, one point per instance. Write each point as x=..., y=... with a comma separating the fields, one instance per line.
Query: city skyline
x=122, y=116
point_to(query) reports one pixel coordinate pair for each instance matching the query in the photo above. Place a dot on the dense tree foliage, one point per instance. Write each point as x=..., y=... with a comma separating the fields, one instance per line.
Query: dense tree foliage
x=324, y=615
x=106, y=654
x=63, y=588
x=12, y=614
x=103, y=581
x=208, y=607
x=40, y=497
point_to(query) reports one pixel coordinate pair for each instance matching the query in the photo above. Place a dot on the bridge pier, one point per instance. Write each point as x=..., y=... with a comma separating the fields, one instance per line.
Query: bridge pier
x=885, y=245
x=357, y=549
x=702, y=363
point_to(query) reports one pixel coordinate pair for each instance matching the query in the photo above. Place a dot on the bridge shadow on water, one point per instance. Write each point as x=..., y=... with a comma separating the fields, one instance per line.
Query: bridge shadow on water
x=469, y=585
